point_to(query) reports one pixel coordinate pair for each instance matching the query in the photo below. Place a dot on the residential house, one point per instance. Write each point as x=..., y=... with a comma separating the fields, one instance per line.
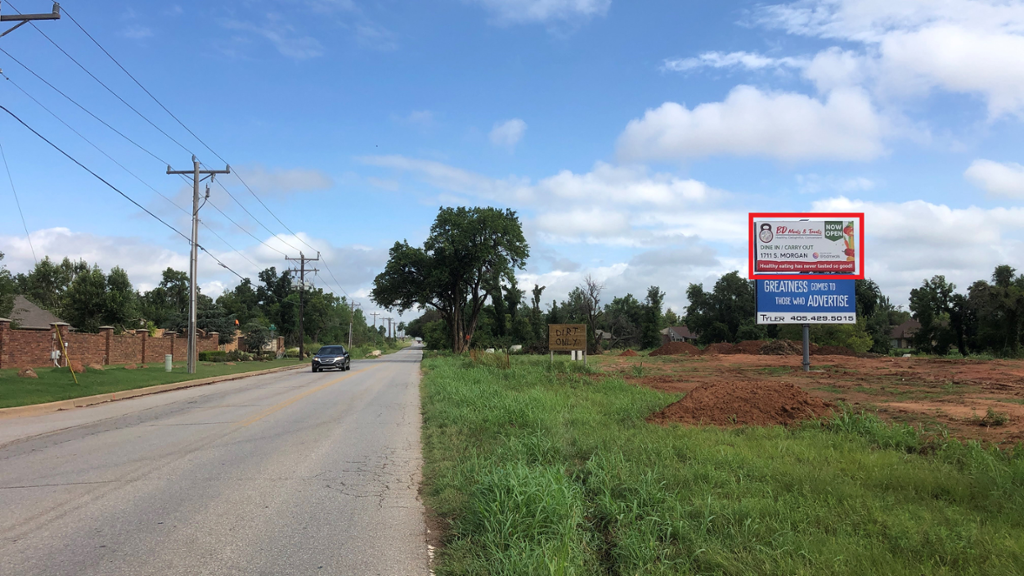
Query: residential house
x=28, y=316
x=677, y=334
x=902, y=336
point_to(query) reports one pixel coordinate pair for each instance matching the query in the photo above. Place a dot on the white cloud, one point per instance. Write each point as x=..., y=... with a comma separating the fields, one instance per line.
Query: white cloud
x=835, y=68
x=527, y=11
x=285, y=181
x=785, y=126
x=910, y=241
x=283, y=36
x=136, y=32
x=911, y=47
x=508, y=134
x=998, y=179
x=145, y=261
x=813, y=184
x=748, y=60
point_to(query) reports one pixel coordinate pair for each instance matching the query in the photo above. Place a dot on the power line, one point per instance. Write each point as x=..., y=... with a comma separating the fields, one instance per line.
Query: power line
x=83, y=108
x=115, y=189
x=139, y=84
x=194, y=135
x=123, y=167
x=108, y=89
x=18, y=202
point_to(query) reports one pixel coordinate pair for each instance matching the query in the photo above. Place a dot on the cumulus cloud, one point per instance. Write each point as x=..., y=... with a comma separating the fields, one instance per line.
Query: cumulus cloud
x=814, y=184
x=747, y=60
x=507, y=134
x=998, y=179
x=907, y=242
x=913, y=47
x=285, y=181
x=750, y=122
x=145, y=260
x=544, y=11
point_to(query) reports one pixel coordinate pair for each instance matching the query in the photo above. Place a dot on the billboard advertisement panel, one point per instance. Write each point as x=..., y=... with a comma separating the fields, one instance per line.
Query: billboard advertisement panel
x=806, y=301
x=784, y=245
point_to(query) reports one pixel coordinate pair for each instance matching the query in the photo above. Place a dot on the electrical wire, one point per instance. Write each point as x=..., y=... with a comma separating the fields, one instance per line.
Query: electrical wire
x=116, y=189
x=107, y=88
x=194, y=135
x=83, y=108
x=18, y=202
x=123, y=167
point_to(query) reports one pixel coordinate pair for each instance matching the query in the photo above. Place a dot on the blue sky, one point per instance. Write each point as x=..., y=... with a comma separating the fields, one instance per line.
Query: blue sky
x=632, y=137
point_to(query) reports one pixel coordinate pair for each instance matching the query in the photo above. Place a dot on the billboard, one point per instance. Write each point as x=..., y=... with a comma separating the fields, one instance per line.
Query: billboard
x=810, y=245
x=806, y=301
x=567, y=337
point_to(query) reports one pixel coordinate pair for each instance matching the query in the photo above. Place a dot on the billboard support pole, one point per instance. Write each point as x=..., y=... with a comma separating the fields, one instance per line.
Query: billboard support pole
x=807, y=347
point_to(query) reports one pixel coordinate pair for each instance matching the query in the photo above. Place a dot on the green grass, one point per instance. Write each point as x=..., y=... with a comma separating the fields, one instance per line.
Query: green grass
x=56, y=384
x=540, y=470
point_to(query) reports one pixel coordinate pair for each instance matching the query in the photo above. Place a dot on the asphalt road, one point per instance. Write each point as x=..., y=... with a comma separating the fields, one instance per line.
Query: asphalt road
x=288, y=473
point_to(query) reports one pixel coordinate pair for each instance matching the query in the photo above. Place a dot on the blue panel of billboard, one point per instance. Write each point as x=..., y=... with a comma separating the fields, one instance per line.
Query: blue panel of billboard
x=806, y=302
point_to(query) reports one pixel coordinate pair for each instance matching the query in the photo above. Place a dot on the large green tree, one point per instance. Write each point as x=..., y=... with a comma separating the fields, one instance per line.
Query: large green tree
x=931, y=305
x=727, y=313
x=468, y=252
x=8, y=288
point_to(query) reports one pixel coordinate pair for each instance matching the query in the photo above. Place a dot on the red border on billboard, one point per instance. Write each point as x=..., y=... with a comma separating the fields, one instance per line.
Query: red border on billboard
x=796, y=216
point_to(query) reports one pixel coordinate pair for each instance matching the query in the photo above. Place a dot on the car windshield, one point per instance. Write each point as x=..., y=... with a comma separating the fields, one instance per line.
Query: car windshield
x=331, y=351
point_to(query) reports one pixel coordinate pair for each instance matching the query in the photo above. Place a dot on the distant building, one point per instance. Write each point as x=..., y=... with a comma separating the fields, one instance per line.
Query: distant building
x=28, y=316
x=902, y=336
x=678, y=334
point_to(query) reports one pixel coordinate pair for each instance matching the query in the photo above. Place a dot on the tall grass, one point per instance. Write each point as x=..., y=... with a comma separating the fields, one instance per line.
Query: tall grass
x=543, y=469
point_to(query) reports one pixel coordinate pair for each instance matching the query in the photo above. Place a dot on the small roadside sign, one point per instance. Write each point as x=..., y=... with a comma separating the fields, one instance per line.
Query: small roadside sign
x=567, y=337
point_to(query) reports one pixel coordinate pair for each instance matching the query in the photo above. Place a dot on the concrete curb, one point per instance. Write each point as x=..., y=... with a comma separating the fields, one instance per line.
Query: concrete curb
x=49, y=407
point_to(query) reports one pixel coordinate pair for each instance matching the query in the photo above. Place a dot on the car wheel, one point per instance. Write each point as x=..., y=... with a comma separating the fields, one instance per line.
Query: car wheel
x=314, y=368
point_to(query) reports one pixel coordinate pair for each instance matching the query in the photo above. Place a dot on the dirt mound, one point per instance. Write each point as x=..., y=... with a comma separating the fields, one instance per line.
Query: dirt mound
x=748, y=347
x=833, y=351
x=676, y=348
x=720, y=348
x=629, y=353
x=782, y=348
x=743, y=404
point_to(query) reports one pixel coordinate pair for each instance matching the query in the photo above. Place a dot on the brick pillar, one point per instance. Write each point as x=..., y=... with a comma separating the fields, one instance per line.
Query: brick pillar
x=108, y=340
x=5, y=342
x=145, y=338
x=65, y=331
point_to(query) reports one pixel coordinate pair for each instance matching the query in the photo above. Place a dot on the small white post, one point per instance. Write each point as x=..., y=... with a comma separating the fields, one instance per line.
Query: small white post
x=167, y=362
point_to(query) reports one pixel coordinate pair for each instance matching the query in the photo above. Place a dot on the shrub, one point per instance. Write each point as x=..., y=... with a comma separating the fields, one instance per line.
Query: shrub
x=213, y=356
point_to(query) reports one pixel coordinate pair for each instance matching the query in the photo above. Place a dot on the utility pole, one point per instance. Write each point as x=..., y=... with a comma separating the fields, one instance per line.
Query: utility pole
x=389, y=319
x=198, y=176
x=375, y=314
x=302, y=287
x=23, y=19
x=351, y=318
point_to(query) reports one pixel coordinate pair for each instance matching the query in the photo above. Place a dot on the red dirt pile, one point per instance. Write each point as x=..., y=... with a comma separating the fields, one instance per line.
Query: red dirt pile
x=743, y=404
x=629, y=353
x=677, y=348
x=833, y=351
x=720, y=348
x=748, y=347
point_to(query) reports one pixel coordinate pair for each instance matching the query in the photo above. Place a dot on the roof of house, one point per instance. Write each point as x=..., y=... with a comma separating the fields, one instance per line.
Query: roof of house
x=28, y=315
x=683, y=332
x=905, y=330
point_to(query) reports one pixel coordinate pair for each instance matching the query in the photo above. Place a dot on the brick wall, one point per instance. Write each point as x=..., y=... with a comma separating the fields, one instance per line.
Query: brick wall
x=31, y=348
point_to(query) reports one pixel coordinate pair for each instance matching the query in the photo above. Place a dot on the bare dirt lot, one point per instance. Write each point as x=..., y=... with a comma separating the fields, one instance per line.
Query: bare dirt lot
x=930, y=393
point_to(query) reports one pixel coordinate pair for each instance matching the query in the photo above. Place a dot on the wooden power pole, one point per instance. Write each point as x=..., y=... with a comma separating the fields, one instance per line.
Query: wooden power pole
x=23, y=19
x=198, y=176
x=302, y=287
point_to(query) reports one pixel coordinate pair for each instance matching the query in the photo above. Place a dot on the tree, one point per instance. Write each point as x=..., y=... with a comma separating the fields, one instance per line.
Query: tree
x=468, y=251
x=651, y=318
x=931, y=304
x=167, y=304
x=623, y=317
x=670, y=319
x=8, y=288
x=48, y=282
x=255, y=336
x=86, y=300
x=727, y=313
x=586, y=300
x=121, y=306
